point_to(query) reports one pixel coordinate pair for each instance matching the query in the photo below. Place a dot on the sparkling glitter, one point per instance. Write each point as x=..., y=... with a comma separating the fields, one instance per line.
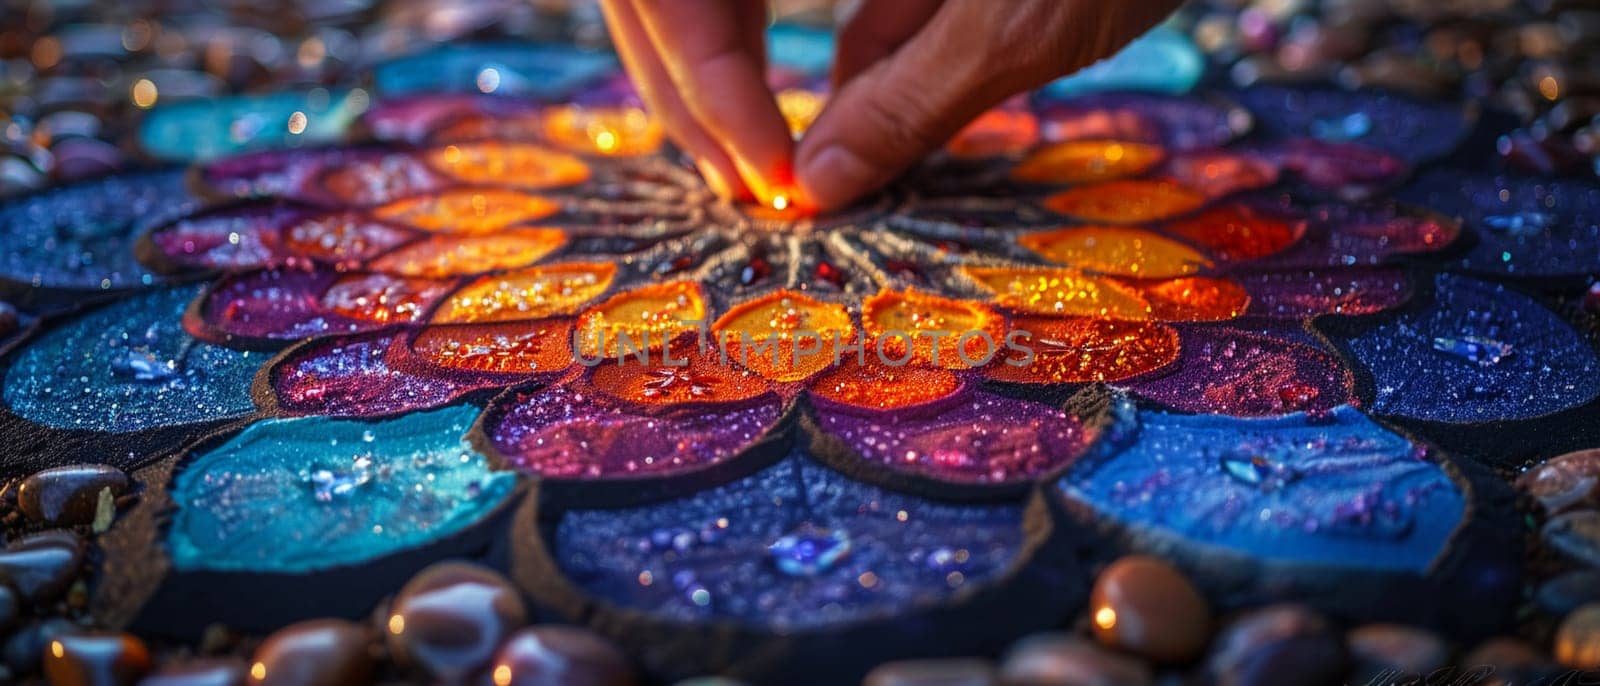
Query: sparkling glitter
x=875, y=385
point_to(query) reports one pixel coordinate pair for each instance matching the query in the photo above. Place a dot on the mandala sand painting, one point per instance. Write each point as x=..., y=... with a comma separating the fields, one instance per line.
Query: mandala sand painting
x=1221, y=327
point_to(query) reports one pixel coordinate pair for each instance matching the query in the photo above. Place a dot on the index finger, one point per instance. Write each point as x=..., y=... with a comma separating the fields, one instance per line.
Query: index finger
x=707, y=48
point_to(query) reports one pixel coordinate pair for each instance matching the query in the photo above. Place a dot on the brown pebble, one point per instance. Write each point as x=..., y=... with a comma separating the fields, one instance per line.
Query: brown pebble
x=42, y=566
x=200, y=672
x=68, y=496
x=1383, y=653
x=1505, y=661
x=941, y=672
x=560, y=656
x=317, y=652
x=1577, y=643
x=1143, y=606
x=1564, y=482
x=1058, y=659
x=95, y=659
x=451, y=616
x=1278, y=645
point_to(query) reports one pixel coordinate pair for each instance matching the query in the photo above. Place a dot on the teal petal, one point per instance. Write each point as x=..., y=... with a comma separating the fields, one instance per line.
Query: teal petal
x=1161, y=61
x=198, y=130
x=304, y=494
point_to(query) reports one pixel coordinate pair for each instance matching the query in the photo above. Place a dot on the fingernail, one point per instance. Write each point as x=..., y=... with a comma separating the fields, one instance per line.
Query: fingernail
x=836, y=176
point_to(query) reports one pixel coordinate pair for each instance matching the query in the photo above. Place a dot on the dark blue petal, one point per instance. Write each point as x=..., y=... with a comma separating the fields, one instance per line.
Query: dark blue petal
x=81, y=236
x=766, y=550
x=1339, y=490
x=1526, y=226
x=1477, y=352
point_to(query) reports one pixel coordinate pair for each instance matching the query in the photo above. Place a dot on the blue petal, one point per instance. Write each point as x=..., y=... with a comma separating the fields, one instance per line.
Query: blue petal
x=1339, y=490
x=1423, y=365
x=129, y=366
x=545, y=70
x=303, y=494
x=82, y=236
x=1161, y=61
x=1414, y=130
x=1526, y=226
x=720, y=553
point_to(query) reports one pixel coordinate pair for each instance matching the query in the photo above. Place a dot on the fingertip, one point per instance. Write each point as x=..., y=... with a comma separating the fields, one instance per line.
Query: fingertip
x=835, y=176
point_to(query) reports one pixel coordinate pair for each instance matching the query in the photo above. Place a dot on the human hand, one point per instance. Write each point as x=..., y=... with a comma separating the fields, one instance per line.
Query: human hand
x=701, y=68
x=908, y=74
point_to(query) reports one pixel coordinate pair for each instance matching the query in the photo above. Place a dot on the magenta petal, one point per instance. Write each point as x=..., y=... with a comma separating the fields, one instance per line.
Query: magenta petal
x=366, y=375
x=233, y=238
x=1308, y=293
x=412, y=119
x=1348, y=169
x=970, y=438
x=1344, y=235
x=1222, y=370
x=1220, y=173
x=282, y=305
x=333, y=177
x=562, y=433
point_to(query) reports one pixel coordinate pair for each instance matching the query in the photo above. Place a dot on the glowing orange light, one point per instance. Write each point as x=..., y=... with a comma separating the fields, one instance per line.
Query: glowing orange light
x=609, y=131
x=780, y=202
x=1105, y=618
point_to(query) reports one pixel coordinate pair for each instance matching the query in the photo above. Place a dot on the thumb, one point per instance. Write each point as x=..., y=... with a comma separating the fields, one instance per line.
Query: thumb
x=893, y=113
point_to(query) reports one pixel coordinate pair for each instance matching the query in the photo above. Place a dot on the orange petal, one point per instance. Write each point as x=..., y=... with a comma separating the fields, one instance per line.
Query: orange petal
x=1236, y=232
x=875, y=385
x=647, y=317
x=1125, y=202
x=1064, y=292
x=1194, y=299
x=1116, y=250
x=1080, y=349
x=610, y=131
x=685, y=375
x=1071, y=162
x=474, y=254
x=520, y=348
x=383, y=298
x=783, y=327
x=342, y=238
x=1000, y=131
x=524, y=165
x=478, y=126
x=533, y=293
x=800, y=107
x=468, y=210
x=929, y=329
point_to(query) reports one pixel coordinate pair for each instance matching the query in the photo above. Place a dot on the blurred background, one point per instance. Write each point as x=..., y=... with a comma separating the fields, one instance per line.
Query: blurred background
x=91, y=86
